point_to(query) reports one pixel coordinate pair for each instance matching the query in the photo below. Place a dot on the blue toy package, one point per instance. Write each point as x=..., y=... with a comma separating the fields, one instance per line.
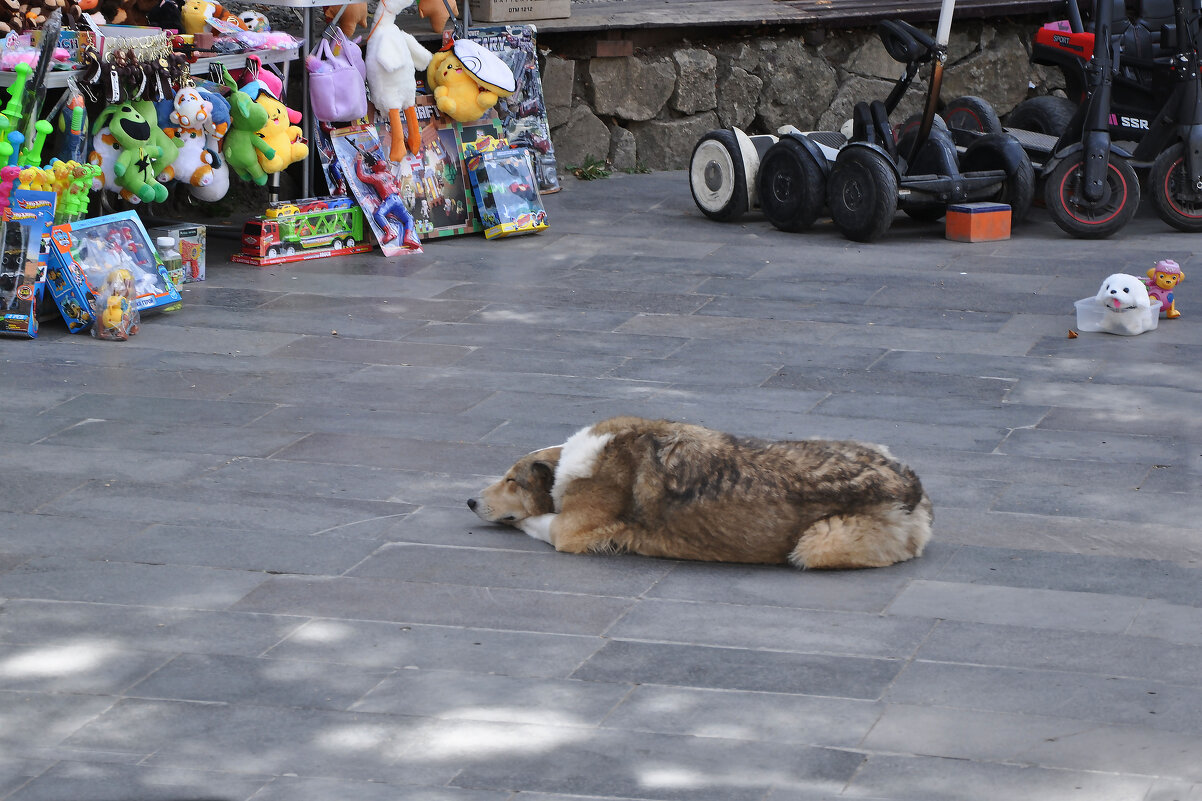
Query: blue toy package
x=507, y=196
x=26, y=219
x=84, y=255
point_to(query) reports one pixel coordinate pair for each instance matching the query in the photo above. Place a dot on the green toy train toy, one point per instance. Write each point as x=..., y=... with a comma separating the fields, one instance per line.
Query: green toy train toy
x=297, y=230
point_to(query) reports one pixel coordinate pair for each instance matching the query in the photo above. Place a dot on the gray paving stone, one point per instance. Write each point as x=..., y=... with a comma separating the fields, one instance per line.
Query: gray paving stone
x=1126, y=655
x=727, y=624
x=293, y=788
x=936, y=779
x=40, y=720
x=1080, y=696
x=179, y=586
x=592, y=574
x=453, y=695
x=1172, y=622
x=736, y=715
x=270, y=682
x=1138, y=578
x=1079, y=611
x=142, y=628
x=739, y=669
x=94, y=666
x=87, y=782
x=443, y=604
x=376, y=645
x=652, y=766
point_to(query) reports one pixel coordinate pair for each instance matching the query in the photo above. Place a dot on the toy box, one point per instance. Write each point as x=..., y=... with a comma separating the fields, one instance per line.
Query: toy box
x=83, y=253
x=25, y=219
x=977, y=222
x=299, y=230
x=506, y=192
x=523, y=114
x=371, y=180
x=191, y=241
x=433, y=182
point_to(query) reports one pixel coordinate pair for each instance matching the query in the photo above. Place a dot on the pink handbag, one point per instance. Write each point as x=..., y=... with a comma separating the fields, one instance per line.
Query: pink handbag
x=337, y=87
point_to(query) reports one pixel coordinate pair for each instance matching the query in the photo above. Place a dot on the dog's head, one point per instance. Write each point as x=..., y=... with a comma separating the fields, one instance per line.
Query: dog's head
x=1121, y=292
x=524, y=491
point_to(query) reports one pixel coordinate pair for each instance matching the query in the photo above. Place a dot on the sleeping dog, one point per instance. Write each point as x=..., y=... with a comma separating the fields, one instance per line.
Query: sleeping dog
x=680, y=491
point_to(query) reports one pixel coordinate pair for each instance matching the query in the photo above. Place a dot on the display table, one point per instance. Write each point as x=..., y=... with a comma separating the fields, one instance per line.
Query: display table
x=57, y=79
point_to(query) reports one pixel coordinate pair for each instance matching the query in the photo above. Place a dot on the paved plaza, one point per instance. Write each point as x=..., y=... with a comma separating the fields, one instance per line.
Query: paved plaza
x=236, y=562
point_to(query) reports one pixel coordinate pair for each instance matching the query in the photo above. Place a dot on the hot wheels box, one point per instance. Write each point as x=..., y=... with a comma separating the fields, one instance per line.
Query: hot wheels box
x=84, y=253
x=23, y=225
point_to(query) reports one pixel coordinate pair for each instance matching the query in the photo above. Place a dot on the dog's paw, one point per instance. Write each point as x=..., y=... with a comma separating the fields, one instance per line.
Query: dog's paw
x=538, y=527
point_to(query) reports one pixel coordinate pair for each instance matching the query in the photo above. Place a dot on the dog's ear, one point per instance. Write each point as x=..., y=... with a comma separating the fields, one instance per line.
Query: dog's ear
x=542, y=475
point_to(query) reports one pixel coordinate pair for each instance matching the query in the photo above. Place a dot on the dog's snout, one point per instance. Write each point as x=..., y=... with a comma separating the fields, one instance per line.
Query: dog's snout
x=471, y=504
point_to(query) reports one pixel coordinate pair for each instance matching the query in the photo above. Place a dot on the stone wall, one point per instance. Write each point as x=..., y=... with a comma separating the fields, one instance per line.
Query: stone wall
x=647, y=110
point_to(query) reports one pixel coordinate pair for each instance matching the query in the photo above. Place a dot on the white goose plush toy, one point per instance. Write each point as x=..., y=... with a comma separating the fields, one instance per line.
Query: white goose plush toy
x=393, y=58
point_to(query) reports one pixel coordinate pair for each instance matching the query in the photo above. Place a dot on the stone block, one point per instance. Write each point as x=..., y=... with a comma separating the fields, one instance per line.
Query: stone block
x=584, y=136
x=696, y=81
x=798, y=88
x=631, y=88
x=738, y=95
x=998, y=74
x=559, y=74
x=623, y=151
x=668, y=144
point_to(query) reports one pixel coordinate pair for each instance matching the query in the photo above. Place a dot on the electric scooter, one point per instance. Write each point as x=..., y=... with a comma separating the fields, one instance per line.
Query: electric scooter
x=1090, y=187
x=922, y=171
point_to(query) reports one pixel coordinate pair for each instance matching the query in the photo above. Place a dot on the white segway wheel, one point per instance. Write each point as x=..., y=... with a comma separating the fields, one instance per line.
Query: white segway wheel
x=718, y=176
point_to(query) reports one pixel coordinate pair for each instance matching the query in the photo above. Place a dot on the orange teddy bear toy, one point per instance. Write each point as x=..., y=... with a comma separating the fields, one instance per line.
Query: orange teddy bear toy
x=1162, y=280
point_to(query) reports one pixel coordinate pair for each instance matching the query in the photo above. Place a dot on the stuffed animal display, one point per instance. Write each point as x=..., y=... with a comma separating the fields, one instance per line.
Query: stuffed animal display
x=285, y=139
x=352, y=16
x=393, y=56
x=468, y=80
x=1162, y=280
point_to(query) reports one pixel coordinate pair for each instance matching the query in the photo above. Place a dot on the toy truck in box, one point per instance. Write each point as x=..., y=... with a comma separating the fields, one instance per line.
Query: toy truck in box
x=304, y=229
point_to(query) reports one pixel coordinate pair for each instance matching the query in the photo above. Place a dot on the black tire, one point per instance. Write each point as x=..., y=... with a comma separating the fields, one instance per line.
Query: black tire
x=1173, y=198
x=970, y=113
x=1047, y=114
x=1091, y=221
x=717, y=178
x=862, y=194
x=792, y=188
x=1018, y=191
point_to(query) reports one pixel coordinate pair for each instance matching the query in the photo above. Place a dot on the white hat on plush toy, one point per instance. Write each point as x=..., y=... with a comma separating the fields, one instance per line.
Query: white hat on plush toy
x=485, y=65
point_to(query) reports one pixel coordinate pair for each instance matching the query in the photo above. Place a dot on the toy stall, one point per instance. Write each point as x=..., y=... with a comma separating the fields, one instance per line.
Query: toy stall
x=109, y=109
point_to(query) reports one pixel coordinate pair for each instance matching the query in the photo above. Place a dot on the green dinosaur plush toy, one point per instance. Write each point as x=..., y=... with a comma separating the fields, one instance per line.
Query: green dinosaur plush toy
x=242, y=142
x=134, y=168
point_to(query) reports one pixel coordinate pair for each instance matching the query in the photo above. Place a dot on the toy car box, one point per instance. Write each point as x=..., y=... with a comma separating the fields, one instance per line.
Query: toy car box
x=83, y=253
x=506, y=193
x=26, y=218
x=298, y=230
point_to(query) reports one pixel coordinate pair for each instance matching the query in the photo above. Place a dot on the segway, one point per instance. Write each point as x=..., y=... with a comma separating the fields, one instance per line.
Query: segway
x=921, y=171
x=722, y=172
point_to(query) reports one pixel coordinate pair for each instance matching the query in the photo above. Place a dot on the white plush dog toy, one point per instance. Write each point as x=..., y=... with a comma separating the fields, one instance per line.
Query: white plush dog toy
x=1126, y=301
x=393, y=58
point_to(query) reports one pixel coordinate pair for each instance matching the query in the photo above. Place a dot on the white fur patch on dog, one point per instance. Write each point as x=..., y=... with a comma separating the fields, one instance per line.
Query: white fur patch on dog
x=538, y=527
x=578, y=459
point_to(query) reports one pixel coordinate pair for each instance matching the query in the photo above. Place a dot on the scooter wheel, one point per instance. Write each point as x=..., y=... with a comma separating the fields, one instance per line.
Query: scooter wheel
x=1175, y=201
x=970, y=113
x=717, y=178
x=1076, y=215
x=1046, y=114
x=791, y=186
x=862, y=194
